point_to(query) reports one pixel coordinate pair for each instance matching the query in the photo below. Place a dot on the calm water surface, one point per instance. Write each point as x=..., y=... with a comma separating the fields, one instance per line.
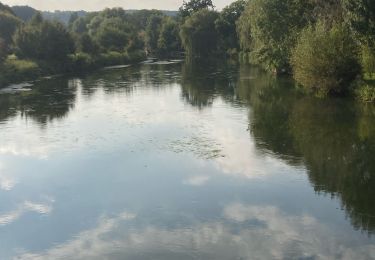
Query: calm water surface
x=184, y=161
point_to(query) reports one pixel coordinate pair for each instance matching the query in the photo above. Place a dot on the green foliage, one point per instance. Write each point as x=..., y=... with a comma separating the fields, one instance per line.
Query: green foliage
x=84, y=43
x=15, y=70
x=325, y=59
x=113, y=34
x=169, y=39
x=153, y=31
x=43, y=40
x=198, y=33
x=243, y=28
x=226, y=24
x=368, y=60
x=361, y=16
x=8, y=25
x=366, y=92
x=188, y=8
x=274, y=26
x=3, y=50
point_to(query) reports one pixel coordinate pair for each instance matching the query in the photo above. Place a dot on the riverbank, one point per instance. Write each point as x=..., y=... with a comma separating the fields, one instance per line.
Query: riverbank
x=14, y=70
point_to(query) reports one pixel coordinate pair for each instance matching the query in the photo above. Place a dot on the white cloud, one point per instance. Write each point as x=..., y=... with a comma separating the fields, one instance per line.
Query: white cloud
x=27, y=206
x=279, y=236
x=196, y=180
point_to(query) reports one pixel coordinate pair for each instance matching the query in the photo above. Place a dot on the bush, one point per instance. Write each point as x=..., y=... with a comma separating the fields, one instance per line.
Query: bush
x=368, y=60
x=112, y=58
x=366, y=93
x=81, y=61
x=325, y=59
x=15, y=70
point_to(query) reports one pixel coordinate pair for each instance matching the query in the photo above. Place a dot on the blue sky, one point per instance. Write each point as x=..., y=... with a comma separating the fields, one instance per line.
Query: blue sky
x=93, y=5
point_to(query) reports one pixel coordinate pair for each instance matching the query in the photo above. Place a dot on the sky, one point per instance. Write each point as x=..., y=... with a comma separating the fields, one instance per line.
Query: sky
x=95, y=5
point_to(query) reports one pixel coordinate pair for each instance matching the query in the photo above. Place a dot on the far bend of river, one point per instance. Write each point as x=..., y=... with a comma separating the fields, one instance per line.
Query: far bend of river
x=184, y=161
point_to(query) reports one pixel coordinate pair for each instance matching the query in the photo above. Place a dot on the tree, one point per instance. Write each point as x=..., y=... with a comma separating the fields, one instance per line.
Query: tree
x=73, y=17
x=325, y=58
x=226, y=24
x=84, y=43
x=43, y=40
x=113, y=34
x=361, y=16
x=152, y=32
x=169, y=39
x=8, y=25
x=3, y=50
x=274, y=26
x=188, y=8
x=198, y=33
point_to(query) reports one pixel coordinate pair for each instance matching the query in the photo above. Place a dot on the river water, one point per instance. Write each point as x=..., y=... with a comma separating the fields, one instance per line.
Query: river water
x=184, y=160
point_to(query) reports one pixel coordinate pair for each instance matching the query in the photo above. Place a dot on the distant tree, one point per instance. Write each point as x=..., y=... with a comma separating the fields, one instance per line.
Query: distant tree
x=79, y=26
x=73, y=17
x=226, y=24
x=84, y=43
x=192, y=6
x=113, y=34
x=24, y=12
x=198, y=33
x=8, y=25
x=3, y=50
x=169, y=39
x=152, y=32
x=140, y=19
x=43, y=40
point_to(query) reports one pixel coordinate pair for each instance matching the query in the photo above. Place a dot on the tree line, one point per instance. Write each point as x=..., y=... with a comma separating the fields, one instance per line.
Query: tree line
x=327, y=45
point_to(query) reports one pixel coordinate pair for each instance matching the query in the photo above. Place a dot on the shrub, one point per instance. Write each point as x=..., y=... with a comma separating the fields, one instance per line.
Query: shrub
x=368, y=60
x=366, y=93
x=325, y=59
x=15, y=70
x=81, y=61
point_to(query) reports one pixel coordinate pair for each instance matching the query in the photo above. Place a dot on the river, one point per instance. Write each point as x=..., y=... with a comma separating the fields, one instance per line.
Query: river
x=184, y=160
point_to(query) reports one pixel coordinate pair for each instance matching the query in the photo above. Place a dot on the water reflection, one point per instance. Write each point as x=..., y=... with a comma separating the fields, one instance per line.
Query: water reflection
x=194, y=160
x=275, y=235
x=48, y=100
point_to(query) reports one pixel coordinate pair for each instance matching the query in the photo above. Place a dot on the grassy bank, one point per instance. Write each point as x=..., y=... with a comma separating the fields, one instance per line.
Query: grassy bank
x=14, y=70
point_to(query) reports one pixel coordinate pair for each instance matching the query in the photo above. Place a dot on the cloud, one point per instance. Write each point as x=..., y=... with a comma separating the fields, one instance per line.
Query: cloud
x=279, y=236
x=196, y=180
x=27, y=206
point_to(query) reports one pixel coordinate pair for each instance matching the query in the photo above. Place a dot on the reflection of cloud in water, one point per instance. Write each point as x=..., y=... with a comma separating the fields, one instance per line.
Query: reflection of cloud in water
x=6, y=183
x=29, y=148
x=25, y=207
x=196, y=180
x=279, y=236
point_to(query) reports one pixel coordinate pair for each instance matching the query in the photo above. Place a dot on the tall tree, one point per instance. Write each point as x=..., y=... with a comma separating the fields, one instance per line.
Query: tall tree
x=226, y=24
x=192, y=6
x=169, y=39
x=198, y=33
x=274, y=29
x=43, y=40
x=152, y=32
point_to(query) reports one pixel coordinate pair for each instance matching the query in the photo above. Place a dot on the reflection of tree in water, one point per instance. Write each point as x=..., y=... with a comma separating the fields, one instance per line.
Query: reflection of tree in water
x=125, y=80
x=49, y=100
x=334, y=138
x=339, y=161
x=203, y=80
